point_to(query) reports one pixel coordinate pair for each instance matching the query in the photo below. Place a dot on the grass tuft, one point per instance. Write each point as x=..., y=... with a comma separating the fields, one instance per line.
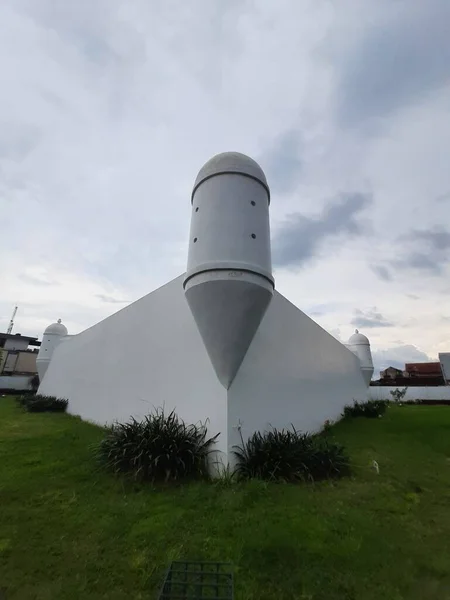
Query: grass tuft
x=371, y=409
x=290, y=456
x=161, y=447
x=39, y=403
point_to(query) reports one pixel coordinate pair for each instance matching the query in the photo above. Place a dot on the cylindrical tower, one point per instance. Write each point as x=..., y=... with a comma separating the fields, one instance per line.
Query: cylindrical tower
x=229, y=283
x=360, y=345
x=51, y=338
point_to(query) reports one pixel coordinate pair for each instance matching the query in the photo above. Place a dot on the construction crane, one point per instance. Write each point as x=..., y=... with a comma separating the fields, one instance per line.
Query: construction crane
x=11, y=323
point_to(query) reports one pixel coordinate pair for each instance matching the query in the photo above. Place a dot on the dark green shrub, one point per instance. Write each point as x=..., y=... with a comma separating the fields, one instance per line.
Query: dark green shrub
x=34, y=382
x=371, y=409
x=23, y=399
x=39, y=403
x=159, y=448
x=288, y=455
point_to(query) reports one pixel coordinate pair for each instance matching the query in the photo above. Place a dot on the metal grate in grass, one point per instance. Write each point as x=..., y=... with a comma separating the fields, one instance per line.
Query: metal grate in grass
x=195, y=580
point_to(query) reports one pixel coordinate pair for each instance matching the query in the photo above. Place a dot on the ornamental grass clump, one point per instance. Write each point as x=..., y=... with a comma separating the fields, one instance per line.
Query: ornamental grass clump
x=371, y=409
x=40, y=403
x=160, y=448
x=290, y=456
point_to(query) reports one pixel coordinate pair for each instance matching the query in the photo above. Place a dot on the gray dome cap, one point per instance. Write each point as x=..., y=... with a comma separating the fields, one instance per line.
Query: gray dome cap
x=231, y=162
x=358, y=338
x=56, y=329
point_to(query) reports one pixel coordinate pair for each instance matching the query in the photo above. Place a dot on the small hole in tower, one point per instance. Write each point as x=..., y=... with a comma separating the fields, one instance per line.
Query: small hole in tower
x=195, y=239
x=253, y=236
x=196, y=210
x=253, y=203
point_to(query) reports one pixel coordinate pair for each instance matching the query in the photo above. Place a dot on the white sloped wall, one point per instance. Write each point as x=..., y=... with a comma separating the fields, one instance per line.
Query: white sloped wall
x=294, y=372
x=147, y=355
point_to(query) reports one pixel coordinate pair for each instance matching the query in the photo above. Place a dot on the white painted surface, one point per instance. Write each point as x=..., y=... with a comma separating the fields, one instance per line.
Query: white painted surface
x=56, y=329
x=16, y=344
x=229, y=281
x=444, y=359
x=228, y=307
x=50, y=340
x=294, y=372
x=413, y=393
x=150, y=354
x=147, y=355
x=360, y=346
x=227, y=210
x=14, y=382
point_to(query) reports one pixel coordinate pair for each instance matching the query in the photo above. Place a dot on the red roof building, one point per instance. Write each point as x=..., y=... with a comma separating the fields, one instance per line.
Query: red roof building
x=427, y=369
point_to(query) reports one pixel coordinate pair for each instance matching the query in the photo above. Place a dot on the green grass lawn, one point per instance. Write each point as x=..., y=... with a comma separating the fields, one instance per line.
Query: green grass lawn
x=69, y=531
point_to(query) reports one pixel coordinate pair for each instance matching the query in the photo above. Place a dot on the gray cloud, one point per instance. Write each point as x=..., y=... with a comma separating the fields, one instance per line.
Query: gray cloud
x=432, y=255
x=420, y=262
x=437, y=238
x=37, y=280
x=300, y=237
x=402, y=56
x=111, y=299
x=98, y=153
x=369, y=319
x=382, y=272
x=317, y=310
x=282, y=163
x=443, y=197
x=396, y=357
x=17, y=140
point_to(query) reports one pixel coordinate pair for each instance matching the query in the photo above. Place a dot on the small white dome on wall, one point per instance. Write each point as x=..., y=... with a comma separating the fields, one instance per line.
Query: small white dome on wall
x=50, y=340
x=359, y=344
x=56, y=329
x=358, y=338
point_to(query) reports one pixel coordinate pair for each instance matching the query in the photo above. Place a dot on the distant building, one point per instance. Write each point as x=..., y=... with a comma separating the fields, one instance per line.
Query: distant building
x=17, y=341
x=424, y=369
x=18, y=355
x=391, y=373
x=414, y=374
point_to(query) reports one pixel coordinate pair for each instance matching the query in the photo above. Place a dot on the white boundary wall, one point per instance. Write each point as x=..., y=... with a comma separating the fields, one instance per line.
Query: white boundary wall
x=382, y=392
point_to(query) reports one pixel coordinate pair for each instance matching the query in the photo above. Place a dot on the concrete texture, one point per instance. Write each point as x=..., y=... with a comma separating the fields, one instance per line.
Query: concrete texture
x=294, y=373
x=150, y=354
x=228, y=307
x=147, y=355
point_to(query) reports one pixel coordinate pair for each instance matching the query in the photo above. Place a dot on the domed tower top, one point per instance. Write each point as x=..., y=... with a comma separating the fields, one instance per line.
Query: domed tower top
x=56, y=329
x=53, y=335
x=231, y=162
x=358, y=338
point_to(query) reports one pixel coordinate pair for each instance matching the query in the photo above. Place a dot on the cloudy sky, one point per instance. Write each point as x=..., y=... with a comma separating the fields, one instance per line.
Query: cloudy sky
x=108, y=108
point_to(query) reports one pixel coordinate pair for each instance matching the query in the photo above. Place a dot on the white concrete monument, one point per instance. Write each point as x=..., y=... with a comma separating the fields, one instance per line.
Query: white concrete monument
x=218, y=343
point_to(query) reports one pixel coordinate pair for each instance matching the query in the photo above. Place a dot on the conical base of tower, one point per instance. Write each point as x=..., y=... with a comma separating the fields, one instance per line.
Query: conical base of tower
x=367, y=373
x=228, y=308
